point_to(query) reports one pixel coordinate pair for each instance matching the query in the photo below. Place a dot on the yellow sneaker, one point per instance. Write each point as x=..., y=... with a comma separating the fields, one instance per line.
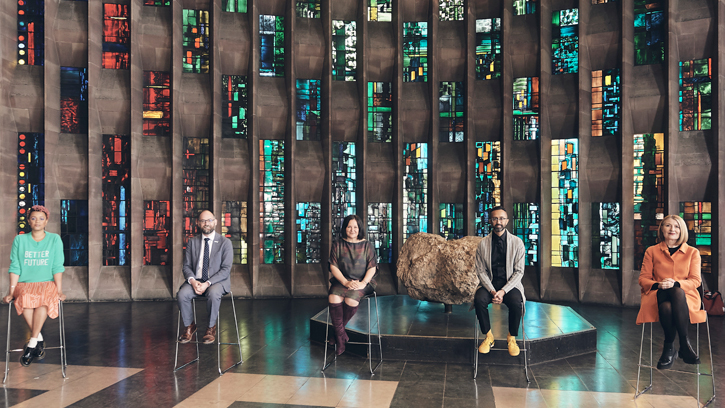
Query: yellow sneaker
x=513, y=347
x=485, y=347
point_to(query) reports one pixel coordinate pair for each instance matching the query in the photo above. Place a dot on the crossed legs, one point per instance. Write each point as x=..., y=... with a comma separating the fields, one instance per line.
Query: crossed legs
x=674, y=318
x=35, y=318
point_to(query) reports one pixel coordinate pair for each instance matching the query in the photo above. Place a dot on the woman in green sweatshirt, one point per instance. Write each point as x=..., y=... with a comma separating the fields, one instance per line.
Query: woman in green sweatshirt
x=36, y=275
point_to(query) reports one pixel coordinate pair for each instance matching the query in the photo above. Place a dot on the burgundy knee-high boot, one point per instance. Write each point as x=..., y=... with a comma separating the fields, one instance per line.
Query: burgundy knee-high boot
x=347, y=313
x=340, y=335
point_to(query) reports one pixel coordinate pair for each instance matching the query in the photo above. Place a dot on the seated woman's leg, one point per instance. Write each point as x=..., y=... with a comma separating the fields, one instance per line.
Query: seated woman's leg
x=335, y=301
x=352, y=301
x=664, y=308
x=681, y=321
x=35, y=318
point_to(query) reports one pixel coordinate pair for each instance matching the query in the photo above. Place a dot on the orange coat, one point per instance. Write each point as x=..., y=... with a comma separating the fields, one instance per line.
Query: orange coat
x=683, y=266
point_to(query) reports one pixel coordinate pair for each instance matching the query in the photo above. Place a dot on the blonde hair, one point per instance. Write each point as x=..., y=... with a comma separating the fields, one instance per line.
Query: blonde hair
x=683, y=229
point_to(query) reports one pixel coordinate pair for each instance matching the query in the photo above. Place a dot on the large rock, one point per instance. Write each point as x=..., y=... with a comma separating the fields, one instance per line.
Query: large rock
x=434, y=269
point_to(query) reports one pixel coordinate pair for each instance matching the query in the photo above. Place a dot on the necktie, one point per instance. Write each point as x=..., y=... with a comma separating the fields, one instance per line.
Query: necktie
x=205, y=264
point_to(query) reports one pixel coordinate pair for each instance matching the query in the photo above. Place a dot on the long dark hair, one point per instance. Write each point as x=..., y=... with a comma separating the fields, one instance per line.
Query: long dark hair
x=360, y=227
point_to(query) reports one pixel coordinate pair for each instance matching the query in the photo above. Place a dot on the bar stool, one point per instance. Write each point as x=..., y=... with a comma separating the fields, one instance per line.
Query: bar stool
x=369, y=343
x=477, y=329
x=218, y=340
x=697, y=372
x=61, y=329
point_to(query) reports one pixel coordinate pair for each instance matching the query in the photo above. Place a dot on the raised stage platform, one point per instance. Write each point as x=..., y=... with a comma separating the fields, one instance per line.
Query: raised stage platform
x=415, y=330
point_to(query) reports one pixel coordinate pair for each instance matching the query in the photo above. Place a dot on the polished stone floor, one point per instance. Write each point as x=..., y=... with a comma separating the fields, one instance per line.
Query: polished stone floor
x=121, y=355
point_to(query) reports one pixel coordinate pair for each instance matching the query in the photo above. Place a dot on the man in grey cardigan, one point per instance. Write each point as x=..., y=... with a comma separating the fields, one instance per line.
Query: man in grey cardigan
x=500, y=266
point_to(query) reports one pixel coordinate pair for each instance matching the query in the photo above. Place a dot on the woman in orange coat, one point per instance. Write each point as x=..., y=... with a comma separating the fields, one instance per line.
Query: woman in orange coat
x=669, y=279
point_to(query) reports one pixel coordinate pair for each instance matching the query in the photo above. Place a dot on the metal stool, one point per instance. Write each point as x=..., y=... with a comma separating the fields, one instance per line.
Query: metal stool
x=218, y=340
x=651, y=366
x=61, y=326
x=477, y=329
x=369, y=343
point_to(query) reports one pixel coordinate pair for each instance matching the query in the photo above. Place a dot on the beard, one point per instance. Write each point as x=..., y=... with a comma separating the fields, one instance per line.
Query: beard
x=498, y=228
x=207, y=229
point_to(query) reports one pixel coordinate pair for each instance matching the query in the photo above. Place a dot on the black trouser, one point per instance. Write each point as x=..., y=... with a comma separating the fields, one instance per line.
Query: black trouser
x=513, y=300
x=674, y=314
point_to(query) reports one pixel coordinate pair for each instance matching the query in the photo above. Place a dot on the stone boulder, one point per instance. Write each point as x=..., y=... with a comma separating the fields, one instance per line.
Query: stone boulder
x=437, y=270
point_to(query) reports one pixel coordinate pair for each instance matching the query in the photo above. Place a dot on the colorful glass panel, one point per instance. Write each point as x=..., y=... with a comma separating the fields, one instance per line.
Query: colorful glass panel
x=116, y=36
x=31, y=175
x=565, y=42
x=415, y=189
x=307, y=8
x=696, y=94
x=606, y=241
x=522, y=7
x=309, y=107
x=31, y=32
x=74, y=231
x=450, y=10
x=271, y=198
x=488, y=48
x=116, y=189
x=309, y=232
x=380, y=112
x=234, y=227
x=415, y=51
x=344, y=183
x=197, y=182
x=526, y=226
x=698, y=217
x=380, y=10
x=157, y=3
x=73, y=100
x=649, y=32
x=565, y=203
x=234, y=113
x=196, y=41
x=451, y=220
x=156, y=231
x=526, y=108
x=452, y=111
x=156, y=103
x=271, y=37
x=380, y=230
x=606, y=99
x=344, y=50
x=649, y=191
x=488, y=183
x=234, y=6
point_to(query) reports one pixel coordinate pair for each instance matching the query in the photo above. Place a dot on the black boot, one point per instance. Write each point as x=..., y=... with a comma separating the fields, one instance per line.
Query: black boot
x=687, y=354
x=340, y=335
x=667, y=358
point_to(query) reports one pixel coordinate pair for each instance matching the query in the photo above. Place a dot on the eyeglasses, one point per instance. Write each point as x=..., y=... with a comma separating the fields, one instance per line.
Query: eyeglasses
x=494, y=219
x=209, y=221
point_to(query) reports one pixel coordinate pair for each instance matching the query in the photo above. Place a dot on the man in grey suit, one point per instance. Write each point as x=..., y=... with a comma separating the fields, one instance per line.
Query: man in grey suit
x=500, y=267
x=207, y=263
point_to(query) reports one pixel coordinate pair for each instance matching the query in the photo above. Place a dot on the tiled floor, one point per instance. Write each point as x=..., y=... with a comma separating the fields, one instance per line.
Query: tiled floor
x=121, y=355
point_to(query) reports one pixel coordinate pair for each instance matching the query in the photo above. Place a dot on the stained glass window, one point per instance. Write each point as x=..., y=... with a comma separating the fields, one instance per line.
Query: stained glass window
x=606, y=240
x=158, y=3
x=380, y=10
x=649, y=32
x=196, y=41
x=271, y=199
x=156, y=231
x=156, y=103
x=380, y=230
x=565, y=42
x=526, y=227
x=565, y=203
x=415, y=189
x=488, y=48
x=116, y=171
x=649, y=191
x=116, y=36
x=234, y=113
x=488, y=183
x=415, y=51
x=606, y=91
x=344, y=183
x=31, y=175
x=73, y=100
x=308, y=8
x=271, y=36
x=380, y=112
x=522, y=7
x=234, y=6
x=450, y=10
x=603, y=1
x=344, y=50
x=74, y=231
x=698, y=217
x=234, y=227
x=197, y=182
x=309, y=232
x=452, y=111
x=451, y=220
x=696, y=94
x=526, y=108
x=31, y=32
x=308, y=109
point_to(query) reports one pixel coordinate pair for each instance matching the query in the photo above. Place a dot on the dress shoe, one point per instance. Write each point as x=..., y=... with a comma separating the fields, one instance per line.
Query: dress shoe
x=188, y=332
x=513, y=346
x=210, y=335
x=39, y=350
x=28, y=356
x=485, y=347
x=667, y=358
x=687, y=354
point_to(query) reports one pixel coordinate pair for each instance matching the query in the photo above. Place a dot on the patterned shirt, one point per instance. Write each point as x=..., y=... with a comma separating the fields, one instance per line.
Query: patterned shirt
x=353, y=259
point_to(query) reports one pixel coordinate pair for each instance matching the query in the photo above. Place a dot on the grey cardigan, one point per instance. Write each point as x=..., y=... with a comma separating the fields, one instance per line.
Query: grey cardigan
x=515, y=252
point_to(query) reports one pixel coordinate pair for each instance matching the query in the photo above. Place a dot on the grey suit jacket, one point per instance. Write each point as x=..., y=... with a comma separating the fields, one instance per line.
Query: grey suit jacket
x=515, y=252
x=220, y=260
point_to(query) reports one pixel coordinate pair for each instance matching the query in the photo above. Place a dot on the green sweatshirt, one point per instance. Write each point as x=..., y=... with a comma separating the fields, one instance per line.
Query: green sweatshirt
x=36, y=261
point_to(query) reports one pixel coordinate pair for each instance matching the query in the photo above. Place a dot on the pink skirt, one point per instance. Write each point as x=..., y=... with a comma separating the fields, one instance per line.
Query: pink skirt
x=31, y=295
